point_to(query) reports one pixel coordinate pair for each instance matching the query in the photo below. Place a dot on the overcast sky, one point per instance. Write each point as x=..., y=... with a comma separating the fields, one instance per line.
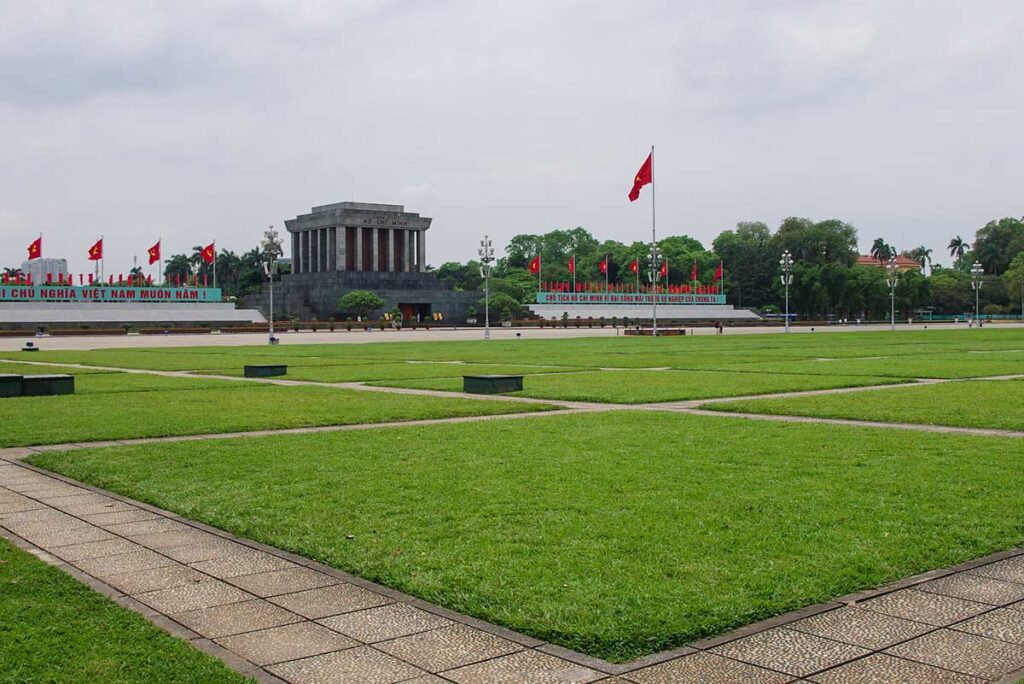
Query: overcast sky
x=211, y=120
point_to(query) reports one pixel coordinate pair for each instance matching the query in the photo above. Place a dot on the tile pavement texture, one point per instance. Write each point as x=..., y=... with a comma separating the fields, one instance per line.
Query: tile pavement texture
x=278, y=617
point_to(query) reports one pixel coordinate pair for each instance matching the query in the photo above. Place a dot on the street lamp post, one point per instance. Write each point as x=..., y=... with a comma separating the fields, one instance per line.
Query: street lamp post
x=786, y=265
x=654, y=258
x=486, y=253
x=977, y=271
x=894, y=277
x=271, y=245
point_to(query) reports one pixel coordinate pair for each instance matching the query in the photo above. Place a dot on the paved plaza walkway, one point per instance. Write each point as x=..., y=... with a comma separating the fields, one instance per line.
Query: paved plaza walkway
x=281, y=618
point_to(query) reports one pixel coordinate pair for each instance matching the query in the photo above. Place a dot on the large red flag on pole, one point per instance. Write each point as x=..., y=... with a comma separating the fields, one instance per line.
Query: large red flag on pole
x=96, y=251
x=154, y=253
x=535, y=270
x=35, y=248
x=209, y=254
x=643, y=177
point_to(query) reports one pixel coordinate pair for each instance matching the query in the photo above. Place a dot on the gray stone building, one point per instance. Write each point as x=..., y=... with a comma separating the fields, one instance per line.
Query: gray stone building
x=347, y=246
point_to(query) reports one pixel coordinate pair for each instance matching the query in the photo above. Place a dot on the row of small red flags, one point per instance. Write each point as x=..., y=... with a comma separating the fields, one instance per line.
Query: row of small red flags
x=83, y=279
x=566, y=286
x=35, y=251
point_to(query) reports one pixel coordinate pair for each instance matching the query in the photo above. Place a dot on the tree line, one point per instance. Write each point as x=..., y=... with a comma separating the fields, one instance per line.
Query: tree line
x=828, y=281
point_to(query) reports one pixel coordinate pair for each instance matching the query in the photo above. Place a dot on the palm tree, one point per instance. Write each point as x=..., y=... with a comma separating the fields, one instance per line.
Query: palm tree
x=957, y=247
x=880, y=250
x=921, y=255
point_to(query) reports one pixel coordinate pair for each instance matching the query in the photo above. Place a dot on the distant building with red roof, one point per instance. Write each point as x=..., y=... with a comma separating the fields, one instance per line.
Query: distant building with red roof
x=903, y=263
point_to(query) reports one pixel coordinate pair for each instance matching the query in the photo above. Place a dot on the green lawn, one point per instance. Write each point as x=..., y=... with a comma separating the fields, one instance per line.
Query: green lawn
x=55, y=629
x=922, y=365
x=617, y=534
x=404, y=370
x=995, y=404
x=645, y=386
x=776, y=351
x=114, y=406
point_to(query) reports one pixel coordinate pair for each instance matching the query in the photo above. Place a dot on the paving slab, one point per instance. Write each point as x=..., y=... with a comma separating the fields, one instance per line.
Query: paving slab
x=107, y=545
x=143, y=581
x=962, y=652
x=360, y=665
x=524, y=667
x=864, y=628
x=975, y=588
x=286, y=581
x=290, y=642
x=1011, y=569
x=387, y=622
x=333, y=600
x=111, y=518
x=705, y=668
x=248, y=562
x=213, y=547
x=920, y=606
x=883, y=669
x=1005, y=624
x=192, y=596
x=74, y=537
x=236, y=618
x=448, y=647
x=789, y=651
x=104, y=566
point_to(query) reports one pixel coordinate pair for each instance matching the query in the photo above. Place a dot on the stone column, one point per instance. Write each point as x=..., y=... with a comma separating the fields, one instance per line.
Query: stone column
x=374, y=253
x=342, y=248
x=339, y=248
x=421, y=252
x=323, y=249
x=304, y=235
x=391, y=249
x=407, y=266
x=359, y=249
x=296, y=256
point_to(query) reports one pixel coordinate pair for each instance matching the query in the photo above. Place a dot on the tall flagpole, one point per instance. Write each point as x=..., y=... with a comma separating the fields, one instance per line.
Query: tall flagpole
x=654, y=265
x=215, y=263
x=102, y=261
x=606, y=275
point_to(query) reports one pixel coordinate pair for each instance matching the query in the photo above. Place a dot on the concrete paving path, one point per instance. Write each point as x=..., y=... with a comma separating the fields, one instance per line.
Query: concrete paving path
x=279, y=617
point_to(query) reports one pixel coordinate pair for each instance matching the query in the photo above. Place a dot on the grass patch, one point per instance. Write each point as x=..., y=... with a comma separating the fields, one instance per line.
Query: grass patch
x=107, y=413
x=588, y=531
x=55, y=629
x=403, y=370
x=997, y=404
x=922, y=365
x=645, y=386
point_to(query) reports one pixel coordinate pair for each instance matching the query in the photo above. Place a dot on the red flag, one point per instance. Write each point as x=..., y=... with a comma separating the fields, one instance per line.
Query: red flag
x=81, y=279
x=643, y=177
x=718, y=273
x=603, y=266
x=35, y=248
x=154, y=253
x=49, y=279
x=635, y=266
x=209, y=253
x=572, y=264
x=96, y=251
x=177, y=280
x=535, y=265
x=693, y=271
x=90, y=278
x=664, y=269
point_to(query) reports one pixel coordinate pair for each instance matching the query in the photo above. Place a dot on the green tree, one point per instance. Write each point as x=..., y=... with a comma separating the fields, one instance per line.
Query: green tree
x=957, y=247
x=1013, y=279
x=500, y=302
x=996, y=245
x=748, y=262
x=359, y=303
x=179, y=267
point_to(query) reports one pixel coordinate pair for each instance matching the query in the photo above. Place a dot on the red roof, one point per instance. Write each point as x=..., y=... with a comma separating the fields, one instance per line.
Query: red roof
x=903, y=263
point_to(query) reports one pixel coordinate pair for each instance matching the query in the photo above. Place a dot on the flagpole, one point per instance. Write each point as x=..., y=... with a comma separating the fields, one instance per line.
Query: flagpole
x=606, y=275
x=102, y=259
x=574, y=272
x=654, y=243
x=214, y=263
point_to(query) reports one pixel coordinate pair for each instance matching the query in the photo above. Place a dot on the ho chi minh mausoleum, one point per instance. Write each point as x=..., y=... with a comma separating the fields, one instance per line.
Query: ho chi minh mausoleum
x=348, y=246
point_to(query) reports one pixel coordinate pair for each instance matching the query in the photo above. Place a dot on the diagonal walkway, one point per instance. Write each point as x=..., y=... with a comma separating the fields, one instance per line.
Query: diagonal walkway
x=279, y=617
